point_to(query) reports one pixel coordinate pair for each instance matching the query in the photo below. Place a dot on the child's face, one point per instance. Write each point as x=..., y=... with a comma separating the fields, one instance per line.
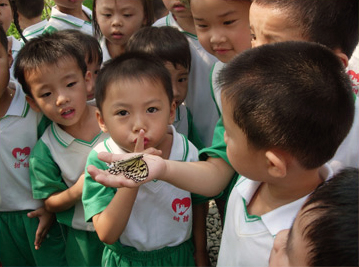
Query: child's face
x=94, y=69
x=119, y=19
x=5, y=59
x=179, y=77
x=177, y=8
x=5, y=14
x=246, y=160
x=222, y=26
x=69, y=4
x=124, y=113
x=271, y=25
x=289, y=247
x=59, y=91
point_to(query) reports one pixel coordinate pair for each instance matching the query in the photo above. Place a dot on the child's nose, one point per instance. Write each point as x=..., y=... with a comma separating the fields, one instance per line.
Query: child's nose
x=61, y=99
x=139, y=123
x=217, y=37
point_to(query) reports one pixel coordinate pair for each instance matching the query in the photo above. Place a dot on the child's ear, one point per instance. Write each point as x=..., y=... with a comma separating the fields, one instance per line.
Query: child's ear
x=343, y=57
x=276, y=164
x=33, y=104
x=88, y=81
x=10, y=58
x=172, y=113
x=100, y=121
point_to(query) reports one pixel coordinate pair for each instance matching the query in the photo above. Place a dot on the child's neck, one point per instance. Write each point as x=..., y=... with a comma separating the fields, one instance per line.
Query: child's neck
x=114, y=50
x=78, y=13
x=186, y=24
x=166, y=146
x=86, y=128
x=25, y=23
x=270, y=196
x=5, y=101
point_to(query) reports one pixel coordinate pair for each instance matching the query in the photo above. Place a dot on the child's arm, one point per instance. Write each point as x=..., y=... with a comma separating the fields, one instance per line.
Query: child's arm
x=46, y=219
x=64, y=200
x=206, y=178
x=110, y=223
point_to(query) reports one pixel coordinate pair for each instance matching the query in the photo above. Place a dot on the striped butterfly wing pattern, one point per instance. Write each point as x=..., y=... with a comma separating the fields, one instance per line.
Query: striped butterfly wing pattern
x=134, y=168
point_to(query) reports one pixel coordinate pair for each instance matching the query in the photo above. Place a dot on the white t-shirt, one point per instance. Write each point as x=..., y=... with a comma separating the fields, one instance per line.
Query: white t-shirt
x=62, y=21
x=18, y=136
x=215, y=88
x=247, y=239
x=34, y=30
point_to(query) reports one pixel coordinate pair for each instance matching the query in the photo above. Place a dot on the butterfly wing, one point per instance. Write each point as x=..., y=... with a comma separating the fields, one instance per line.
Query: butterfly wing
x=137, y=170
x=134, y=168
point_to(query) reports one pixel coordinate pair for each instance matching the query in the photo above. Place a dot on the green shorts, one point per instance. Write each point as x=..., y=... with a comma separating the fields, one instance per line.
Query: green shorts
x=119, y=255
x=83, y=248
x=17, y=237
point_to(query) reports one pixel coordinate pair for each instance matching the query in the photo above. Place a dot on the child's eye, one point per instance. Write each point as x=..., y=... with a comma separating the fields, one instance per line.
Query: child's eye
x=71, y=84
x=152, y=110
x=123, y=113
x=228, y=22
x=106, y=15
x=127, y=15
x=182, y=80
x=3, y=4
x=45, y=95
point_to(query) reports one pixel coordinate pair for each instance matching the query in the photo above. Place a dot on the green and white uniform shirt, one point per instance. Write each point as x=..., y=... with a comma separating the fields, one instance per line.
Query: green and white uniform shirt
x=247, y=239
x=56, y=164
x=19, y=132
x=62, y=21
x=162, y=213
x=34, y=30
x=199, y=99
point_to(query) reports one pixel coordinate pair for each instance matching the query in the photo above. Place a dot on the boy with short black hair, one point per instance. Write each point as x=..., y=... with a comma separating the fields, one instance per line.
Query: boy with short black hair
x=325, y=232
x=54, y=76
x=276, y=136
x=29, y=235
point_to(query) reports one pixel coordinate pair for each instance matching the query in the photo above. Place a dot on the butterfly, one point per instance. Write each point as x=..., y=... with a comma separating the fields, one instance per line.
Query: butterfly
x=134, y=168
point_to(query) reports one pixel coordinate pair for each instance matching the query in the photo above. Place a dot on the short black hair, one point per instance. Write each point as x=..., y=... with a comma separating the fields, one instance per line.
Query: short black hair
x=30, y=9
x=295, y=96
x=132, y=65
x=333, y=233
x=167, y=42
x=49, y=48
x=3, y=38
x=333, y=23
x=91, y=48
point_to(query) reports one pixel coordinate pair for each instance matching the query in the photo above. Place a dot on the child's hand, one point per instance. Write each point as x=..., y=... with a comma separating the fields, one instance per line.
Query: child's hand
x=46, y=219
x=156, y=166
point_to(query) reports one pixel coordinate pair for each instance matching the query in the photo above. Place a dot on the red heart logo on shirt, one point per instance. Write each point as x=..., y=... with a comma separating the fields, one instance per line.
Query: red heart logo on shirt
x=180, y=206
x=21, y=154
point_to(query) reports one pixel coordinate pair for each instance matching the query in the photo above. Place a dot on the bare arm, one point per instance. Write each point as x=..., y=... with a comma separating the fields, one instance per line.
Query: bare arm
x=206, y=178
x=110, y=223
x=64, y=200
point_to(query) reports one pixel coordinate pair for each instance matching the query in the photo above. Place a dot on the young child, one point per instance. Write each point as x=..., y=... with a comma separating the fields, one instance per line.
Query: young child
x=337, y=19
x=70, y=15
x=199, y=99
x=52, y=72
x=29, y=236
x=28, y=18
x=6, y=19
x=283, y=161
x=325, y=232
x=93, y=56
x=115, y=22
x=150, y=225
x=222, y=29
x=172, y=47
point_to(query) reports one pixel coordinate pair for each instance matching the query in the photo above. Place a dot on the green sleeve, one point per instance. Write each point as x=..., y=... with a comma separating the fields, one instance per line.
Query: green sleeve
x=219, y=147
x=45, y=174
x=95, y=196
x=193, y=135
